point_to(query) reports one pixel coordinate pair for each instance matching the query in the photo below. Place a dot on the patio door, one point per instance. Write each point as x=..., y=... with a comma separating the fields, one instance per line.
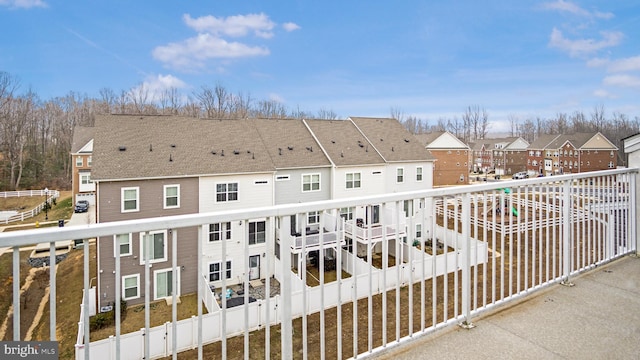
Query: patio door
x=254, y=267
x=164, y=283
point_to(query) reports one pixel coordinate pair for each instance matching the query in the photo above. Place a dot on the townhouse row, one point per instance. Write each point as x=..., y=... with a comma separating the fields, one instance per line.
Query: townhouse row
x=151, y=166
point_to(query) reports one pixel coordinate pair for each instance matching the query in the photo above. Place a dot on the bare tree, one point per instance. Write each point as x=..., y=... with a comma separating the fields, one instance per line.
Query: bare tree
x=327, y=114
x=139, y=97
x=598, y=118
x=513, y=124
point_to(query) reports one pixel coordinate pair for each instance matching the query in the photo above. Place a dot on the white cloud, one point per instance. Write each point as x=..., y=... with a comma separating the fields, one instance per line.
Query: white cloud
x=622, y=81
x=626, y=64
x=598, y=62
x=567, y=6
x=194, y=52
x=23, y=4
x=601, y=93
x=277, y=98
x=584, y=46
x=234, y=26
x=289, y=26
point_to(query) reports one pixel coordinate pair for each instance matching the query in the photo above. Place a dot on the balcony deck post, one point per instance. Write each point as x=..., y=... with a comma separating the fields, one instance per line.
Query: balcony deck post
x=466, y=262
x=566, y=233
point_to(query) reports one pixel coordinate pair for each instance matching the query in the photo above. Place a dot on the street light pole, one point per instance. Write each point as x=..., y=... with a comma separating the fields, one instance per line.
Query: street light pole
x=46, y=204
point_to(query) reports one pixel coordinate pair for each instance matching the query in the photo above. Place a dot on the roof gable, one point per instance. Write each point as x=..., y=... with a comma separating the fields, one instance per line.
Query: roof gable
x=392, y=140
x=518, y=144
x=599, y=141
x=443, y=140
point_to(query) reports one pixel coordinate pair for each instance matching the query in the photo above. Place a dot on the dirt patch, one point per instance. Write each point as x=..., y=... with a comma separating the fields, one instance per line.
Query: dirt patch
x=31, y=295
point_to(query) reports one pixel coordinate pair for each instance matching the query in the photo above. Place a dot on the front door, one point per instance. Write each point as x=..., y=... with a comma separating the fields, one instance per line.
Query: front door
x=254, y=267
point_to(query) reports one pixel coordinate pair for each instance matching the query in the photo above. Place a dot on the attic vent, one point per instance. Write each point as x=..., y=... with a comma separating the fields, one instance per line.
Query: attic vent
x=222, y=152
x=170, y=157
x=213, y=152
x=236, y=152
x=392, y=149
x=333, y=141
x=173, y=145
x=122, y=148
x=341, y=153
x=150, y=147
x=360, y=144
x=290, y=148
x=310, y=148
x=381, y=139
x=279, y=151
x=406, y=140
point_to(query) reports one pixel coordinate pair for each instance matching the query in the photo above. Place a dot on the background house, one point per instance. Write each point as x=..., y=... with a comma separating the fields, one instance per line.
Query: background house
x=451, y=155
x=83, y=187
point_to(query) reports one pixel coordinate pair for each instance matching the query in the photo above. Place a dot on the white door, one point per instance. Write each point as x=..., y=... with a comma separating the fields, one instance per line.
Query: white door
x=254, y=267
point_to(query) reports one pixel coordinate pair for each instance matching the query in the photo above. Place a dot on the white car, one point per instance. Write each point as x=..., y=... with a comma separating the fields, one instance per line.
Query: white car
x=520, y=175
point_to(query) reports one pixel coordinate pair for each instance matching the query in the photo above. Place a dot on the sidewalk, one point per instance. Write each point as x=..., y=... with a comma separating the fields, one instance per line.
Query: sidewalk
x=598, y=318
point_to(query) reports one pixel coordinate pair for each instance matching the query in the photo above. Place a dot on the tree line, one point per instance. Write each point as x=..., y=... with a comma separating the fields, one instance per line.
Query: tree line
x=36, y=135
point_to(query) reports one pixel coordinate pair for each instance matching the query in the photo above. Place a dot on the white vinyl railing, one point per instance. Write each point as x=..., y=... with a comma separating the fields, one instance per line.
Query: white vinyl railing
x=454, y=258
x=21, y=216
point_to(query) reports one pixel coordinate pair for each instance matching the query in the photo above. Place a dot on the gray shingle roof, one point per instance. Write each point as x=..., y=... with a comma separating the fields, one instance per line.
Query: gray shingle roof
x=290, y=144
x=344, y=144
x=392, y=140
x=81, y=137
x=127, y=147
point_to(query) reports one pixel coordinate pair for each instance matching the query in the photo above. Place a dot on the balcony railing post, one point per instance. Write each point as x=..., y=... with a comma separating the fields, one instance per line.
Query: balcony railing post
x=466, y=262
x=286, y=340
x=566, y=233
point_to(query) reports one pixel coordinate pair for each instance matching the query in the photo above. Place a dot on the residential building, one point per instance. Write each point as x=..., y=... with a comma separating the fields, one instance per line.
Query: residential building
x=83, y=187
x=452, y=156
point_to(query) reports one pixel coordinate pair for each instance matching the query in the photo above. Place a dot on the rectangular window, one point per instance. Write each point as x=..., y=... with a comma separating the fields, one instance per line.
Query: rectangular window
x=157, y=246
x=399, y=175
x=131, y=286
x=257, y=232
x=171, y=196
x=418, y=231
x=79, y=161
x=163, y=283
x=311, y=182
x=89, y=161
x=220, y=231
x=130, y=199
x=85, y=179
x=419, y=173
x=226, y=192
x=347, y=213
x=353, y=180
x=313, y=217
x=124, y=241
x=215, y=271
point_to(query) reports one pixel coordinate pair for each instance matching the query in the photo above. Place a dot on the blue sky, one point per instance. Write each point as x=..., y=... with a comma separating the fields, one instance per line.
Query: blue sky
x=429, y=59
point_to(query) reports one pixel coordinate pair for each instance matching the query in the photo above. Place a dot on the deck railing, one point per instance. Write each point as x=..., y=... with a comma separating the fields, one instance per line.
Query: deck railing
x=456, y=258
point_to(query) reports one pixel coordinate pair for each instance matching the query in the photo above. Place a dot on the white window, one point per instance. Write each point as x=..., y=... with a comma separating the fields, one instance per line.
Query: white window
x=400, y=175
x=171, y=196
x=419, y=173
x=311, y=182
x=215, y=271
x=163, y=283
x=418, y=231
x=220, y=231
x=226, y=192
x=313, y=218
x=610, y=164
x=89, y=161
x=130, y=199
x=257, y=232
x=131, y=287
x=353, y=180
x=79, y=161
x=85, y=179
x=124, y=241
x=347, y=213
x=157, y=246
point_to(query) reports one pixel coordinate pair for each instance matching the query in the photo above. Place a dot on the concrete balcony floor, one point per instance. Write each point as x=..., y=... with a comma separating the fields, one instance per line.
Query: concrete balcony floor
x=598, y=318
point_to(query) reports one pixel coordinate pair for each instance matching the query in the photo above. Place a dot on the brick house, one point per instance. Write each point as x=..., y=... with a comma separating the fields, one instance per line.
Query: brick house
x=452, y=157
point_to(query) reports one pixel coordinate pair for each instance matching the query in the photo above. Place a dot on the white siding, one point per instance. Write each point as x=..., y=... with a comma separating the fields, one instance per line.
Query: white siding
x=250, y=194
x=409, y=183
x=371, y=183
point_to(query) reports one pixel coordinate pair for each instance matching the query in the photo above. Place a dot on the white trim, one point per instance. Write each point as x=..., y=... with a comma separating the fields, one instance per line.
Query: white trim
x=311, y=182
x=398, y=170
x=222, y=270
x=353, y=180
x=226, y=192
x=155, y=283
x=164, y=201
x=164, y=240
x=137, y=199
x=421, y=173
x=137, y=277
x=116, y=242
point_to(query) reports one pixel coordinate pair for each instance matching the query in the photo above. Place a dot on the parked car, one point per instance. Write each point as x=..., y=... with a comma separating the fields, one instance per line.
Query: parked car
x=81, y=206
x=520, y=175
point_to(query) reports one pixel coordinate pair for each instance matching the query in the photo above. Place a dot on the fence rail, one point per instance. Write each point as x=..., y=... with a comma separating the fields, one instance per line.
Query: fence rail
x=51, y=196
x=450, y=264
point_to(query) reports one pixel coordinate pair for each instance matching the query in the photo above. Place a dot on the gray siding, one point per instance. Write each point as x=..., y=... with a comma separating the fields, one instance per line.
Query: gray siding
x=290, y=191
x=151, y=205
